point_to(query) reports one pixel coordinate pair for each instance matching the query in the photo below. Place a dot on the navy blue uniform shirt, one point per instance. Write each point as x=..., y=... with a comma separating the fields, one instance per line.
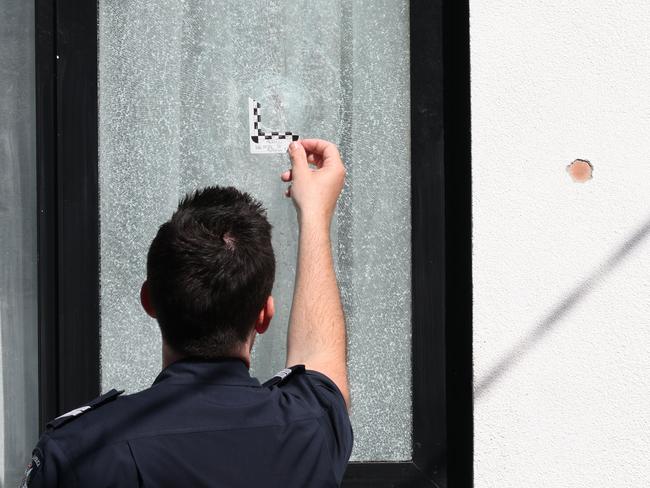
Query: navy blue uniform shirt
x=202, y=424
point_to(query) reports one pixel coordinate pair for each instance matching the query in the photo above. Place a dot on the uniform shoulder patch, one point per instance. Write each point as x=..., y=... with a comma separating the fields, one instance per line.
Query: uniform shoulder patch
x=93, y=404
x=283, y=375
x=34, y=465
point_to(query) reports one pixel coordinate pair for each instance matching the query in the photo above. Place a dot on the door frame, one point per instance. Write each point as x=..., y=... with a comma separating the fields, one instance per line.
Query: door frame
x=67, y=202
x=68, y=232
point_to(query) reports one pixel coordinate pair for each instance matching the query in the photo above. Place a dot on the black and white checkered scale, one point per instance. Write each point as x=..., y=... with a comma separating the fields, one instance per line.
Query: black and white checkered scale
x=257, y=133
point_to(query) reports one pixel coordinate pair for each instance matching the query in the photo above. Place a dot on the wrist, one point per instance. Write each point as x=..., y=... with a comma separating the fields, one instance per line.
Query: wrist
x=314, y=223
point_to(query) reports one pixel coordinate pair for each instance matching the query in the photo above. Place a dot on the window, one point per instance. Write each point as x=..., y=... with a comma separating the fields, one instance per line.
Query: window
x=174, y=83
x=370, y=76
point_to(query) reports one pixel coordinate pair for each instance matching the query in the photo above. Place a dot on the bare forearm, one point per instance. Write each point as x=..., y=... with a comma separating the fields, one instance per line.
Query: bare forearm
x=316, y=325
x=316, y=335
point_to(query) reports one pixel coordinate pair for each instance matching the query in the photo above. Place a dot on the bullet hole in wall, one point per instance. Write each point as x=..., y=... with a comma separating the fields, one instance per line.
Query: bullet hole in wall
x=580, y=170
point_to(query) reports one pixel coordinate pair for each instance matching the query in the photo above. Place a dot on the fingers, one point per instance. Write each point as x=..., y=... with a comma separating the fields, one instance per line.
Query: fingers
x=315, y=160
x=298, y=156
x=317, y=146
x=325, y=150
x=316, y=152
x=286, y=176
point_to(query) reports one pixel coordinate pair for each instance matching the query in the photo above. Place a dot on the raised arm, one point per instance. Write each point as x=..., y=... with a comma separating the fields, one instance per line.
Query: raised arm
x=317, y=336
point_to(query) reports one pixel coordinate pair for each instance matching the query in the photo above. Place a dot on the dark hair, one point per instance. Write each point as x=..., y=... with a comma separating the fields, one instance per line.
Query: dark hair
x=210, y=269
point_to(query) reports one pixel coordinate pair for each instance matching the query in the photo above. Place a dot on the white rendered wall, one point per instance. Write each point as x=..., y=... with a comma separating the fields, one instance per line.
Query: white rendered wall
x=561, y=269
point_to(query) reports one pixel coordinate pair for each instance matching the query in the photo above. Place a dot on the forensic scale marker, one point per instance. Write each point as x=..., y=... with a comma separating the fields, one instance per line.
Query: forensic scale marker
x=265, y=142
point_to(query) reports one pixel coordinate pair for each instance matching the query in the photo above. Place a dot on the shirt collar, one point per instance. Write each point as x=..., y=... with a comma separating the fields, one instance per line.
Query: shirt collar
x=222, y=371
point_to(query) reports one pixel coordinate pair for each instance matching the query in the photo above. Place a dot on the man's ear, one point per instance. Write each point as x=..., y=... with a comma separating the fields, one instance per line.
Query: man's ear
x=145, y=300
x=265, y=316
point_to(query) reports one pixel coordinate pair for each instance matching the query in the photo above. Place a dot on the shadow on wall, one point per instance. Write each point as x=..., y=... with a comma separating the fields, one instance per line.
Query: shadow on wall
x=550, y=320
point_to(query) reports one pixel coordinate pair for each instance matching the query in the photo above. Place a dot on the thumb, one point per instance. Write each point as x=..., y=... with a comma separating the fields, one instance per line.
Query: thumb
x=298, y=156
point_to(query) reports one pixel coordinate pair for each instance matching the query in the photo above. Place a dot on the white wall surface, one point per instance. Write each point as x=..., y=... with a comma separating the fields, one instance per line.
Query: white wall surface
x=561, y=269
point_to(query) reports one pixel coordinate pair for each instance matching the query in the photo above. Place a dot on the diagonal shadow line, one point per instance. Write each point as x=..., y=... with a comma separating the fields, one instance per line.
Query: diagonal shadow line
x=551, y=319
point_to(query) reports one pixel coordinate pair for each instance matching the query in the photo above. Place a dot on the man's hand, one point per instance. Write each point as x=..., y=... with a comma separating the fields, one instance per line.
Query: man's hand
x=315, y=191
x=316, y=336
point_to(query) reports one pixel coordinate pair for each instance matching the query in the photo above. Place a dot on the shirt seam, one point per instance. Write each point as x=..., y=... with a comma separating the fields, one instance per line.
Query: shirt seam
x=246, y=385
x=64, y=458
x=337, y=390
x=224, y=429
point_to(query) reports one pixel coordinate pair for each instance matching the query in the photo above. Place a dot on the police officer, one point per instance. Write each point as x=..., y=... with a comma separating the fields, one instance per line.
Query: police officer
x=205, y=422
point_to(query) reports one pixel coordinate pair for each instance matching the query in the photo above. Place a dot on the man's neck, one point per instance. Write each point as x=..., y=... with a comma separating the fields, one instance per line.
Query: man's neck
x=169, y=356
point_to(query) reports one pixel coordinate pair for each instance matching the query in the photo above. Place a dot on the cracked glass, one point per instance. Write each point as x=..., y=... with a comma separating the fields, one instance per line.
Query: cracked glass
x=174, y=83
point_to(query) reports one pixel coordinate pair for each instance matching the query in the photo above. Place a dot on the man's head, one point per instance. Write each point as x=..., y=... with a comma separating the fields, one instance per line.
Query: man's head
x=210, y=272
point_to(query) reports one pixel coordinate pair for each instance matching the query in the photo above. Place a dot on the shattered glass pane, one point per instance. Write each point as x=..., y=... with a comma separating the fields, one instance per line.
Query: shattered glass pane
x=174, y=83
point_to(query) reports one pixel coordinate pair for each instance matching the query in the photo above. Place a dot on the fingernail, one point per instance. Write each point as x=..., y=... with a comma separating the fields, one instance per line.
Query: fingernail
x=294, y=145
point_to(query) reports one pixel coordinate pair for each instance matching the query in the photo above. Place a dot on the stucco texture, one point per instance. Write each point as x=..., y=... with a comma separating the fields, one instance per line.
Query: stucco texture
x=561, y=268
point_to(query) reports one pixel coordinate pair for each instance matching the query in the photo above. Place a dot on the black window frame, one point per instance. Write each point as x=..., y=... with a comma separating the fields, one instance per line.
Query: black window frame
x=68, y=232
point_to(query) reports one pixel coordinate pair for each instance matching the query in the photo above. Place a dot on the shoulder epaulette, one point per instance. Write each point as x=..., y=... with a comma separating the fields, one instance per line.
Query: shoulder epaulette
x=93, y=404
x=281, y=376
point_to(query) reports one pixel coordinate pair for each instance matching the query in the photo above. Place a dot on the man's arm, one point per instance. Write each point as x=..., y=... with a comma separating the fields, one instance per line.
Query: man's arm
x=316, y=335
